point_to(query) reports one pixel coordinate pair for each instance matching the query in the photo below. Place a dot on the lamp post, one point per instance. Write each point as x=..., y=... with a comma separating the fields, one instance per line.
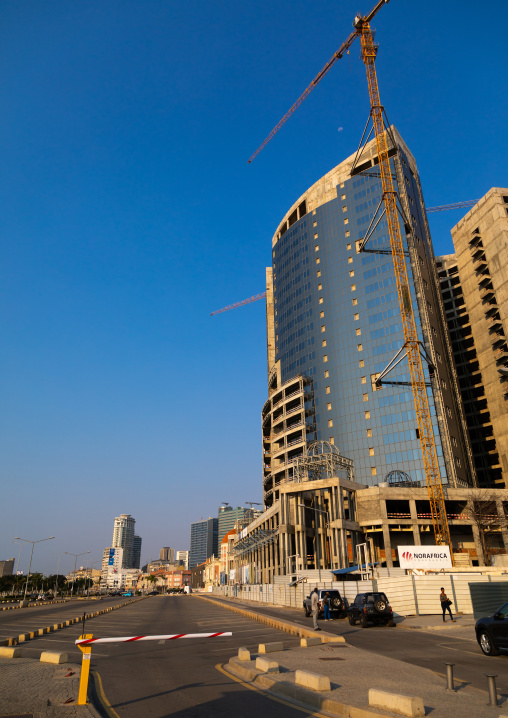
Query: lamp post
x=17, y=538
x=76, y=556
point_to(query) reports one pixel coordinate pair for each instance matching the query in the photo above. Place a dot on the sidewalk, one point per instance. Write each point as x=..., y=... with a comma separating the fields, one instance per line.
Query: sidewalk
x=29, y=687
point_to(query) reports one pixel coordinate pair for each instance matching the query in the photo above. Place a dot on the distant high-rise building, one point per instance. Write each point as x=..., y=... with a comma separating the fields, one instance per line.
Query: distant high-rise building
x=7, y=567
x=167, y=554
x=203, y=541
x=230, y=517
x=480, y=240
x=123, y=537
x=136, y=560
x=182, y=558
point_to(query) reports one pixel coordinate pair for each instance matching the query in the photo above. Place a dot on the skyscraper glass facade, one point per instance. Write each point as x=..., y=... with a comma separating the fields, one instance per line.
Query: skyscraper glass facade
x=336, y=322
x=203, y=541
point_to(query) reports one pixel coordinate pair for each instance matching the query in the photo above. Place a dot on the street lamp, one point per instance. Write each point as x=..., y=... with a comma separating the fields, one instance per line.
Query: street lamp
x=17, y=538
x=76, y=556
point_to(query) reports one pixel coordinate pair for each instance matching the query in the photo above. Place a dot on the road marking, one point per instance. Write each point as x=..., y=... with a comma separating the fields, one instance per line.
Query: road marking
x=460, y=650
x=269, y=695
x=102, y=696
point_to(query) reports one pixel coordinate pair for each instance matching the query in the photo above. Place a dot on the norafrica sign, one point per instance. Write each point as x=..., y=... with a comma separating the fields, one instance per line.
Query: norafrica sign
x=424, y=557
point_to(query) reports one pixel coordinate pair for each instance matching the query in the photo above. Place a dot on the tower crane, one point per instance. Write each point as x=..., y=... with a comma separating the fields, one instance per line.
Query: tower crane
x=412, y=344
x=253, y=503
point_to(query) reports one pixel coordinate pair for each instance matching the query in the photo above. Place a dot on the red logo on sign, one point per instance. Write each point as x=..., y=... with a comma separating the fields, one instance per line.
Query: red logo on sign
x=407, y=556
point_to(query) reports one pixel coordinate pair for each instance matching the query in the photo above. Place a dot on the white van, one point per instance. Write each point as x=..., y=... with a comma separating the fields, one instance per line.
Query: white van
x=187, y=589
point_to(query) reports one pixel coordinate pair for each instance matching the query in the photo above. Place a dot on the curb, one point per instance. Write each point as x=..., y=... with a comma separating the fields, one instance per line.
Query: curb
x=291, y=691
x=32, y=605
x=286, y=626
x=23, y=637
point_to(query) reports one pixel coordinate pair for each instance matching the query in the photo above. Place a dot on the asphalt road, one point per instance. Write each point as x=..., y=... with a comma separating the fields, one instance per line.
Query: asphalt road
x=173, y=678
x=24, y=620
x=417, y=647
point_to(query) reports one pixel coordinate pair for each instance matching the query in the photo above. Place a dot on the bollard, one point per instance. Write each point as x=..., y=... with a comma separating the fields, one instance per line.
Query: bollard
x=85, y=669
x=492, y=689
x=449, y=677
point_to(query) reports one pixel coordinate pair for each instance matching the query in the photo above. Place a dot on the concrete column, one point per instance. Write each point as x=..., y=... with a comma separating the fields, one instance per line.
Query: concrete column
x=478, y=544
x=502, y=521
x=414, y=520
x=388, y=546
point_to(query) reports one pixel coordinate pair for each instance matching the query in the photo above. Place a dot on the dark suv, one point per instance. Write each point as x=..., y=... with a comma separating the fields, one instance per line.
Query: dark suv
x=370, y=607
x=337, y=603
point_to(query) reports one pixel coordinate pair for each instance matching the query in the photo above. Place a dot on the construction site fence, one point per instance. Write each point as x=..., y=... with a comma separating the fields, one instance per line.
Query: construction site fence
x=408, y=595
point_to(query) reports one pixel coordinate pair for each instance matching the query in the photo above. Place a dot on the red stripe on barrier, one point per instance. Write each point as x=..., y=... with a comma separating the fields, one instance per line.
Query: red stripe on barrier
x=179, y=635
x=134, y=638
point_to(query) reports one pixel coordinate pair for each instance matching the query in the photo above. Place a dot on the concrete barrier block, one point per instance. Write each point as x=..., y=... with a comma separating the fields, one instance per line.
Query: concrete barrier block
x=396, y=703
x=312, y=680
x=243, y=654
x=271, y=647
x=54, y=657
x=56, y=626
x=10, y=652
x=23, y=637
x=306, y=642
x=267, y=666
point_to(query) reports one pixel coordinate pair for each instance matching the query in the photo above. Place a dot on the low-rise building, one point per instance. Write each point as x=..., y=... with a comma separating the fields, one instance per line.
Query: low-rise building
x=7, y=567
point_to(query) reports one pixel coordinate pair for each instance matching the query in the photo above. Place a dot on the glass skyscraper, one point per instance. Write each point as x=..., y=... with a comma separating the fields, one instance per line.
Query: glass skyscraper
x=203, y=541
x=333, y=325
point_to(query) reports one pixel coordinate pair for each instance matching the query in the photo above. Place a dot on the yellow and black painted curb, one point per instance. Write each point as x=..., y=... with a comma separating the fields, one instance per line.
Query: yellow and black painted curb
x=286, y=626
x=23, y=637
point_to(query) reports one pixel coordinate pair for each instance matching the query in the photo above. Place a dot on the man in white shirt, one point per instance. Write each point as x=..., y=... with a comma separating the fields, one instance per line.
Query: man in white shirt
x=315, y=609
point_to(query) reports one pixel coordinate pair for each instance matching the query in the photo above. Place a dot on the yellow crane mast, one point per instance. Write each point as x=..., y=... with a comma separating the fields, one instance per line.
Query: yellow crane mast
x=411, y=343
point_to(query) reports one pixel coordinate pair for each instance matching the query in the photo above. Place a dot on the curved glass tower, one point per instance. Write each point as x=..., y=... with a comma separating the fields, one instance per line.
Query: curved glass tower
x=333, y=325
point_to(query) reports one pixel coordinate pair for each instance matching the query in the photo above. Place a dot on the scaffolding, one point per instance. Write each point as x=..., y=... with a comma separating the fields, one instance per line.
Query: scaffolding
x=320, y=459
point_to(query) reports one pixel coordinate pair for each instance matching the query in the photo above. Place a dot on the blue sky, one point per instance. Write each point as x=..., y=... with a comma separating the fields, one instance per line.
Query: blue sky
x=129, y=213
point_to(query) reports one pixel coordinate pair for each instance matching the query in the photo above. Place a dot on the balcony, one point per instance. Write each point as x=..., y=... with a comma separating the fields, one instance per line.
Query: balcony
x=295, y=408
x=487, y=292
x=495, y=324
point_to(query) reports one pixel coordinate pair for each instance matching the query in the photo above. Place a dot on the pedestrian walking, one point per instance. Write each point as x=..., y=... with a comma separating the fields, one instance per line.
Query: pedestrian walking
x=445, y=605
x=326, y=606
x=314, y=605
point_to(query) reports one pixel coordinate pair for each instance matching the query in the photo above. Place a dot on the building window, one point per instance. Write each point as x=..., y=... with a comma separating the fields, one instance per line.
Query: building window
x=350, y=260
x=351, y=272
x=321, y=315
x=325, y=358
x=361, y=363
x=366, y=397
x=315, y=235
x=323, y=343
x=348, y=247
x=315, y=224
x=332, y=440
x=373, y=471
x=346, y=221
x=320, y=287
x=318, y=261
x=316, y=247
x=344, y=209
x=327, y=374
x=330, y=423
x=449, y=412
x=355, y=302
x=353, y=287
x=360, y=347
x=357, y=317
x=318, y=273
x=329, y=406
x=457, y=461
x=443, y=383
x=313, y=211
x=364, y=379
x=321, y=300
x=348, y=233
x=323, y=328
x=358, y=332
x=327, y=390
x=371, y=451
x=454, y=441
x=369, y=432
x=439, y=357
x=343, y=196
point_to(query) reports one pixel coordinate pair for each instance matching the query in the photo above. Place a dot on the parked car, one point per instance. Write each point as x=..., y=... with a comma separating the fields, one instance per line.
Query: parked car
x=337, y=603
x=370, y=607
x=492, y=631
x=152, y=593
x=127, y=593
